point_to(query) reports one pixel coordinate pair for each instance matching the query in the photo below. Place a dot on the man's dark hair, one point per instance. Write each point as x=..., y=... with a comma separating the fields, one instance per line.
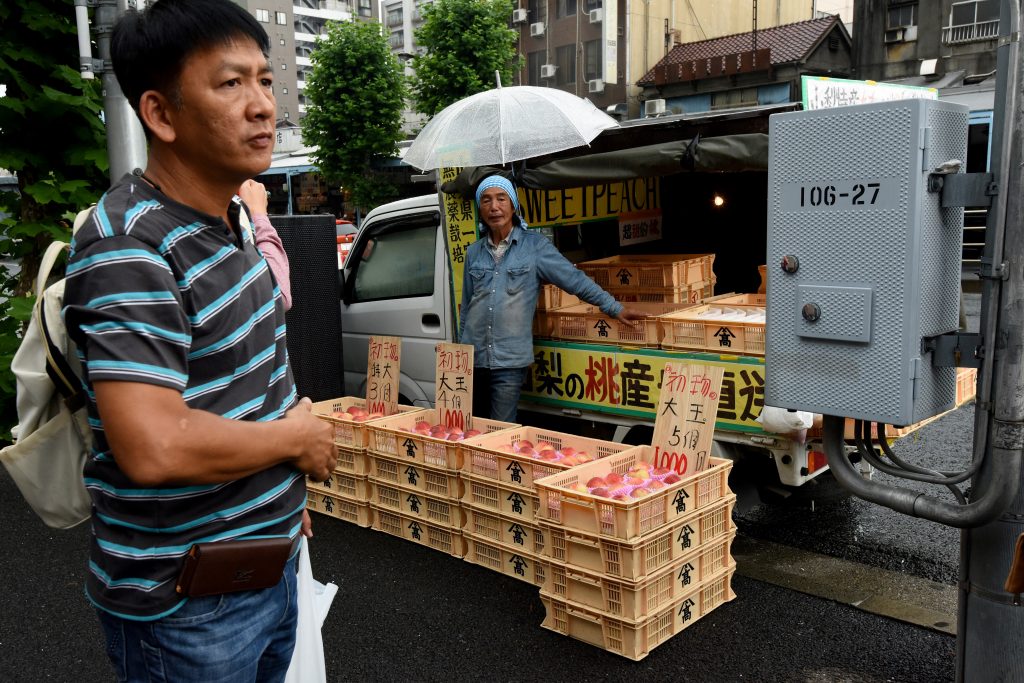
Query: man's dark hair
x=149, y=48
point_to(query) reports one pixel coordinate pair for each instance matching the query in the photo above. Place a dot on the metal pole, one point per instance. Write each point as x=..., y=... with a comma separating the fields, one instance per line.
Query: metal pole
x=126, y=141
x=990, y=639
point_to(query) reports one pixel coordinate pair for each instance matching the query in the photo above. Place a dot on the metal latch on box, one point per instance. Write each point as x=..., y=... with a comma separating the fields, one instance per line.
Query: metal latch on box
x=962, y=189
x=954, y=350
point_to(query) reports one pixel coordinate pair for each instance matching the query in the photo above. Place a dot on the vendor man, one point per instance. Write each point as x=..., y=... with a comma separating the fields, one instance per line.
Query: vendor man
x=501, y=282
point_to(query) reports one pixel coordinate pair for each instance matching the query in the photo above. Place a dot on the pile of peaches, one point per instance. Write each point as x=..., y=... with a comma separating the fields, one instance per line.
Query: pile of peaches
x=356, y=414
x=544, y=450
x=439, y=431
x=639, y=481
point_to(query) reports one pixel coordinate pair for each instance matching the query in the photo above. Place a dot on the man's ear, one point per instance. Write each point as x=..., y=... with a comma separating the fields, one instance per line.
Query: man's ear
x=157, y=113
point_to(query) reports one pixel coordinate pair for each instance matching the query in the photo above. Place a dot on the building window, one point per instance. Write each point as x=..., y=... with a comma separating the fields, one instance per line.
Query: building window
x=282, y=41
x=899, y=16
x=284, y=91
x=536, y=10
x=395, y=17
x=397, y=39
x=534, y=60
x=365, y=8
x=565, y=8
x=284, y=66
x=970, y=21
x=591, y=5
x=565, y=59
x=592, y=60
x=263, y=15
x=281, y=18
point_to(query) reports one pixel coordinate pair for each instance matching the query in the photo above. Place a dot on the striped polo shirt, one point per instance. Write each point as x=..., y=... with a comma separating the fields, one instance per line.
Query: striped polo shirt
x=159, y=293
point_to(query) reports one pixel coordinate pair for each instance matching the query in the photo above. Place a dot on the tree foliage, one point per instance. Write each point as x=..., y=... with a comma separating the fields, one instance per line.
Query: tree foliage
x=466, y=41
x=52, y=137
x=355, y=98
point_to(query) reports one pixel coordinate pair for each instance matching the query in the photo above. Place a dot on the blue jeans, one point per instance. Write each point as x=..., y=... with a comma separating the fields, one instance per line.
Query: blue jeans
x=496, y=392
x=237, y=637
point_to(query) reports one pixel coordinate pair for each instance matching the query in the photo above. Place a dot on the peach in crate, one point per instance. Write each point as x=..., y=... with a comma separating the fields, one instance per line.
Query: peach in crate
x=433, y=536
x=520, y=456
x=349, y=415
x=636, y=560
x=413, y=504
x=439, y=482
x=625, y=496
x=512, y=533
x=636, y=639
x=422, y=437
x=509, y=561
x=636, y=600
x=357, y=513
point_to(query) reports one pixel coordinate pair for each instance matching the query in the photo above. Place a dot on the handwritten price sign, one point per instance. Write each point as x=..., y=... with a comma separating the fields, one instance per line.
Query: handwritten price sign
x=453, y=385
x=383, y=362
x=685, y=422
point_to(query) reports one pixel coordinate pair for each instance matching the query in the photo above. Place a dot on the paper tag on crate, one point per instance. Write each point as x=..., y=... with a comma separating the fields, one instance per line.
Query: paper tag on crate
x=384, y=361
x=685, y=422
x=453, y=385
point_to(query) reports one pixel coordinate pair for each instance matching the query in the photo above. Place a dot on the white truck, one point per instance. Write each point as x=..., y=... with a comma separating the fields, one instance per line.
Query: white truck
x=402, y=278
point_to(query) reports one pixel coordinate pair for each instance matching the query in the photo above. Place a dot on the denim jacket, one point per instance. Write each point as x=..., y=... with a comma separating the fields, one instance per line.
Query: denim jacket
x=499, y=300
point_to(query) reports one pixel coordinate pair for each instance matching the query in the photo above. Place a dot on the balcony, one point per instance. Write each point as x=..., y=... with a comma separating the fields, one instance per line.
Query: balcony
x=969, y=33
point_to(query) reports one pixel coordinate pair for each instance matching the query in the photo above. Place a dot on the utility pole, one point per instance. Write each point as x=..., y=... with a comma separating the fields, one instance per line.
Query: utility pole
x=126, y=141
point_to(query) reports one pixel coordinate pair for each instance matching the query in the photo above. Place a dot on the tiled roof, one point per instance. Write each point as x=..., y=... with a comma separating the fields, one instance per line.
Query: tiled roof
x=788, y=43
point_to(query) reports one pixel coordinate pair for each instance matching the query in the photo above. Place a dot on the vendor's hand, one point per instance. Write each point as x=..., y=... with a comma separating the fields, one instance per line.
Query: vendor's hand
x=307, y=524
x=254, y=195
x=630, y=316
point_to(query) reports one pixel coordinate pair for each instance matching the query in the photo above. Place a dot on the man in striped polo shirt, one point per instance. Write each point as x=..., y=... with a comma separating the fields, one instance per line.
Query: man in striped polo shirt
x=199, y=436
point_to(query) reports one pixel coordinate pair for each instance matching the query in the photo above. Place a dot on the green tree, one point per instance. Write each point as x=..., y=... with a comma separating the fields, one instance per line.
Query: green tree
x=466, y=41
x=52, y=137
x=355, y=99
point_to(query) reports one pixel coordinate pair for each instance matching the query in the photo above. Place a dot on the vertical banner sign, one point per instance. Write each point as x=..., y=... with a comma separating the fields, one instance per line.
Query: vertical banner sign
x=459, y=232
x=453, y=385
x=610, y=41
x=685, y=422
x=383, y=364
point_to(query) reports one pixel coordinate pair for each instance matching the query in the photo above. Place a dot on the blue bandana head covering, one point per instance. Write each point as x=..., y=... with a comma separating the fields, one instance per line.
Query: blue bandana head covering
x=498, y=181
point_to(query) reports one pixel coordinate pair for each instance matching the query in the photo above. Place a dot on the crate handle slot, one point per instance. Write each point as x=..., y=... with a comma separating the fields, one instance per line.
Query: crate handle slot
x=583, y=578
x=581, y=540
x=583, y=615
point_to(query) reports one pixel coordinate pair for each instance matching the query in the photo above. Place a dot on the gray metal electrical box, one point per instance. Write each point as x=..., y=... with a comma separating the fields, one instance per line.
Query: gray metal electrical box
x=863, y=262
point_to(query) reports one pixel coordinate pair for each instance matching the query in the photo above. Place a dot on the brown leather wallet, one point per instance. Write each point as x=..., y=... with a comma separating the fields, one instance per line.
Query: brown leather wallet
x=231, y=566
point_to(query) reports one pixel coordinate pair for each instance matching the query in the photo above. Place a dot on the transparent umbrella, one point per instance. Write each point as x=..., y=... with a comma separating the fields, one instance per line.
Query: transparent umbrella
x=506, y=124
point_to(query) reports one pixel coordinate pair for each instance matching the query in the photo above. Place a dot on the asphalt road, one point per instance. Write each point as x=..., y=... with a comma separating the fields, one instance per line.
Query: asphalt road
x=405, y=612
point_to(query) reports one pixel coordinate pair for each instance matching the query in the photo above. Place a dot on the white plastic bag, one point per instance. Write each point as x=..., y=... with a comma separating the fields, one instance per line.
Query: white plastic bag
x=314, y=602
x=783, y=421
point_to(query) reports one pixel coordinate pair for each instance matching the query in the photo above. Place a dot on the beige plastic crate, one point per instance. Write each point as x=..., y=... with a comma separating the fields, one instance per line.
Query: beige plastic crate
x=636, y=600
x=482, y=458
x=552, y=296
x=763, y=272
x=636, y=560
x=352, y=461
x=357, y=513
x=353, y=487
x=433, y=536
x=742, y=299
x=442, y=483
x=628, y=520
x=693, y=294
x=442, y=512
x=684, y=330
x=587, y=323
x=510, y=562
x=635, y=639
x=512, y=533
x=388, y=438
x=509, y=501
x=346, y=432
x=650, y=270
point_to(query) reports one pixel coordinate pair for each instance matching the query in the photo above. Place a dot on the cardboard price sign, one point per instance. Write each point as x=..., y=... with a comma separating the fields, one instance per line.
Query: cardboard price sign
x=453, y=385
x=383, y=363
x=685, y=422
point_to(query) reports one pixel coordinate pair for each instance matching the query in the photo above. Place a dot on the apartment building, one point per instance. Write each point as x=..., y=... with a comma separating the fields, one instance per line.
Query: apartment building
x=599, y=49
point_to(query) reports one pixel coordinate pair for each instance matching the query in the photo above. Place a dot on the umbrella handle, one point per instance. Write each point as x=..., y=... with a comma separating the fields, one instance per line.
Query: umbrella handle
x=497, y=77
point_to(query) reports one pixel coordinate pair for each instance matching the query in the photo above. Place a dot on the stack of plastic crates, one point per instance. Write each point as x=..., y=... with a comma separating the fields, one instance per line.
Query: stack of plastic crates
x=346, y=493
x=415, y=487
x=500, y=500
x=655, y=278
x=626, y=574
